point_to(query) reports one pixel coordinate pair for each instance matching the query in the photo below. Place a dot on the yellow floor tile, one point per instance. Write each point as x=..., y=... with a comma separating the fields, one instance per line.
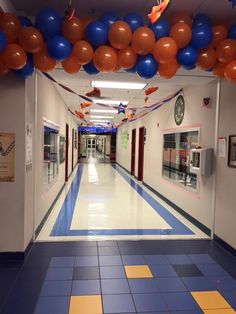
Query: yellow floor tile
x=210, y=300
x=141, y=271
x=86, y=305
x=222, y=311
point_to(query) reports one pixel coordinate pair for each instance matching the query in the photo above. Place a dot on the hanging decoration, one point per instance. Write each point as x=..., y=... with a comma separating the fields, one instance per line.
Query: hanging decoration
x=96, y=92
x=121, y=108
x=84, y=105
x=110, y=43
x=151, y=90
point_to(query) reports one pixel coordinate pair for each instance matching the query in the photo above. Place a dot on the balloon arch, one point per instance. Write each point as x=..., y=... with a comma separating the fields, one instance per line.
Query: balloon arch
x=110, y=43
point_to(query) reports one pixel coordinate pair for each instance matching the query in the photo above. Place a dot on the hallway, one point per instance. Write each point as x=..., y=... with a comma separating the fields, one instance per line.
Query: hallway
x=91, y=204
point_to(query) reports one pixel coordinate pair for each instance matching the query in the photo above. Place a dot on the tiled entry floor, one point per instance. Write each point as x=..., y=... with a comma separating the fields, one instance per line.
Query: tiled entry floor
x=180, y=276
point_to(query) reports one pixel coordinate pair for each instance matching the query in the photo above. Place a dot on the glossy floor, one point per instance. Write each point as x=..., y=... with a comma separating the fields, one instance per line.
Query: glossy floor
x=108, y=277
x=102, y=201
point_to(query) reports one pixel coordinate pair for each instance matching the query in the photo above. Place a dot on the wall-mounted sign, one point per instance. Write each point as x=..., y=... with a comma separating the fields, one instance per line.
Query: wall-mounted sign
x=7, y=157
x=179, y=110
x=124, y=139
x=222, y=147
x=29, y=147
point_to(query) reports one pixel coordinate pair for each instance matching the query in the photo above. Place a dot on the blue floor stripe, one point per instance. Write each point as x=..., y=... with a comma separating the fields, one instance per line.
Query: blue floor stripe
x=64, y=219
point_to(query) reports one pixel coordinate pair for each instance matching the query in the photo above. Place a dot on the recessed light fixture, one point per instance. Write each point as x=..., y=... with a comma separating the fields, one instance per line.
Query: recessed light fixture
x=118, y=85
x=111, y=102
x=104, y=111
x=101, y=117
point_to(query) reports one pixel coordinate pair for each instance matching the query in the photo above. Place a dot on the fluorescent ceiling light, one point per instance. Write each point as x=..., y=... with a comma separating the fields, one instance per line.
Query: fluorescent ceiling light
x=118, y=85
x=111, y=102
x=101, y=117
x=104, y=111
x=95, y=120
x=101, y=124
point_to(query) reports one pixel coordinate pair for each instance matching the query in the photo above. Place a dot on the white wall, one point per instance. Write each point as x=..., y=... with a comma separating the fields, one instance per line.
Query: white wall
x=198, y=204
x=7, y=6
x=225, y=215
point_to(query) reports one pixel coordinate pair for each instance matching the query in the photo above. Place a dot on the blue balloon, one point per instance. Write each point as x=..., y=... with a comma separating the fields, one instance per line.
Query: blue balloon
x=160, y=29
x=58, y=48
x=232, y=32
x=90, y=68
x=187, y=57
x=147, y=66
x=132, y=70
x=27, y=70
x=109, y=18
x=134, y=20
x=233, y=3
x=201, y=36
x=49, y=22
x=25, y=21
x=96, y=33
x=201, y=19
x=3, y=42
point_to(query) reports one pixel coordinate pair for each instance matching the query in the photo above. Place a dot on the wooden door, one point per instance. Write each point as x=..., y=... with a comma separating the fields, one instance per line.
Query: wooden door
x=141, y=153
x=72, y=146
x=67, y=152
x=133, y=149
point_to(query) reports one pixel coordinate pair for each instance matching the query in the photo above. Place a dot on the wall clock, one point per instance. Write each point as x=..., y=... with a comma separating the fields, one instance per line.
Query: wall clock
x=179, y=110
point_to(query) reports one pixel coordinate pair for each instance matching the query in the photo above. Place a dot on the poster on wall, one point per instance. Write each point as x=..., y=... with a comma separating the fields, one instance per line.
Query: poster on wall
x=29, y=147
x=62, y=149
x=232, y=151
x=222, y=147
x=124, y=139
x=7, y=157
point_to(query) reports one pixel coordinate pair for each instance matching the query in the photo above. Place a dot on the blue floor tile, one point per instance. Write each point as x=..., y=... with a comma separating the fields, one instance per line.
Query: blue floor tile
x=163, y=271
x=86, y=261
x=85, y=287
x=133, y=260
x=230, y=297
x=152, y=302
x=226, y=283
x=187, y=312
x=52, y=305
x=187, y=270
x=86, y=273
x=179, y=259
x=62, y=262
x=112, y=272
x=180, y=301
x=59, y=274
x=173, y=284
x=110, y=250
x=110, y=261
x=56, y=288
x=156, y=260
x=122, y=303
x=115, y=286
x=143, y=285
x=198, y=284
x=212, y=270
x=107, y=243
x=201, y=259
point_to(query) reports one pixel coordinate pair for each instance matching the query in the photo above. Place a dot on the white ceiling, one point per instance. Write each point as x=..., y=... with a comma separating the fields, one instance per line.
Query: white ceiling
x=219, y=11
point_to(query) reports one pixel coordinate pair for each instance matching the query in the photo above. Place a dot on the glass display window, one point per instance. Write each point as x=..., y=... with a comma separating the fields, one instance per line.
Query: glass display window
x=176, y=157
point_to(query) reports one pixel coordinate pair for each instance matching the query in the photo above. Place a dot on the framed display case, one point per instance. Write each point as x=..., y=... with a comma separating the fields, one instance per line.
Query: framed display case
x=232, y=151
x=176, y=157
x=50, y=148
x=62, y=149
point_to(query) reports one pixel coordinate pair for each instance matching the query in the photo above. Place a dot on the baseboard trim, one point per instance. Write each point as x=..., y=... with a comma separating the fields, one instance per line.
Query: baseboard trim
x=194, y=221
x=123, y=167
x=224, y=245
x=16, y=256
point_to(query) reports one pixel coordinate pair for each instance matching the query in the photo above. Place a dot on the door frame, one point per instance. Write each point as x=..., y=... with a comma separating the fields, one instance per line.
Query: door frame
x=72, y=157
x=133, y=152
x=67, y=152
x=141, y=153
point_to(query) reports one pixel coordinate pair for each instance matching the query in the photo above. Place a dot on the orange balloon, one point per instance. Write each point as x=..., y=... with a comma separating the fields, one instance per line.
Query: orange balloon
x=127, y=58
x=219, y=33
x=14, y=57
x=120, y=35
x=165, y=50
x=143, y=40
x=3, y=69
x=219, y=69
x=83, y=51
x=206, y=58
x=230, y=71
x=226, y=51
x=10, y=26
x=118, y=67
x=169, y=70
x=43, y=62
x=85, y=22
x=105, y=59
x=71, y=65
x=72, y=30
x=182, y=34
x=31, y=39
x=181, y=17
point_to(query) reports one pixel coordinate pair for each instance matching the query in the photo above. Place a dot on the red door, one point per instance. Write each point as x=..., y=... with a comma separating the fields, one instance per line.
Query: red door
x=67, y=152
x=72, y=145
x=133, y=149
x=141, y=154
